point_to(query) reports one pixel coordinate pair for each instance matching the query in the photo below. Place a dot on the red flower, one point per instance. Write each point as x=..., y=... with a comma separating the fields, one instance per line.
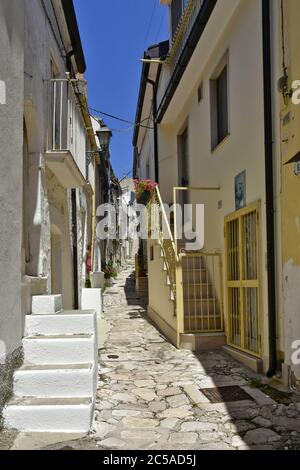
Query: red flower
x=141, y=186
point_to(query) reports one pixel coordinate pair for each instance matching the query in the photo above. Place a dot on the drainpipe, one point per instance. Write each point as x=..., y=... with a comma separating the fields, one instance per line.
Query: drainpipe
x=75, y=249
x=269, y=183
x=155, y=131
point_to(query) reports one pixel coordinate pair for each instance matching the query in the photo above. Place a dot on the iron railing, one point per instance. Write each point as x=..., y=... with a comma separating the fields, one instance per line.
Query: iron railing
x=202, y=292
x=183, y=31
x=67, y=129
x=195, y=277
x=160, y=229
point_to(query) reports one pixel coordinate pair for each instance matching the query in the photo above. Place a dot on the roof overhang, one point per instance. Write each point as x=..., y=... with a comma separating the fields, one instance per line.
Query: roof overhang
x=64, y=167
x=67, y=22
x=149, y=72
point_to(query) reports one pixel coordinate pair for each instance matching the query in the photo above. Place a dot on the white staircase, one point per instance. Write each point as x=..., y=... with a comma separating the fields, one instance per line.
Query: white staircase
x=54, y=391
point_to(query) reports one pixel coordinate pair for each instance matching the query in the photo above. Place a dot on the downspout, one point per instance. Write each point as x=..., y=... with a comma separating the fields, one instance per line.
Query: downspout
x=75, y=249
x=269, y=182
x=155, y=130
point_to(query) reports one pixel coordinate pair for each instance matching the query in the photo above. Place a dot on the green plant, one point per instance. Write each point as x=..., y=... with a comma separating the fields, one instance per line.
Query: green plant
x=110, y=271
x=277, y=395
x=142, y=187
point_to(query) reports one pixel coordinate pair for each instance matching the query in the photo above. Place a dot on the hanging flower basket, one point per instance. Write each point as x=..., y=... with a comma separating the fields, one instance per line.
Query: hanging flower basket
x=144, y=190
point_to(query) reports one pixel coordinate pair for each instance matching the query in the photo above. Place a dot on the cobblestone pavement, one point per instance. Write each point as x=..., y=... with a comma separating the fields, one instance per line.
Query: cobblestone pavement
x=149, y=393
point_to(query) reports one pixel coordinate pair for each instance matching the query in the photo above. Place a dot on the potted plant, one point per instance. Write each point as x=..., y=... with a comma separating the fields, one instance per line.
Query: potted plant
x=144, y=190
x=110, y=273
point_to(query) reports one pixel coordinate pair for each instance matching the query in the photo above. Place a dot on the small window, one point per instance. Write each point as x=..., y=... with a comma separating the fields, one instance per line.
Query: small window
x=222, y=105
x=200, y=92
x=219, y=107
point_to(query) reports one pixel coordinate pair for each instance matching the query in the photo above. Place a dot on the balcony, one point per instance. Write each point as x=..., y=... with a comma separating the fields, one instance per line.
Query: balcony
x=66, y=148
x=184, y=29
x=190, y=28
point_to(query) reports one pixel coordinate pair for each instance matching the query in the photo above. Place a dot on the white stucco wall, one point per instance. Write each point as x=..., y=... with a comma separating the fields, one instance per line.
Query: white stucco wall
x=11, y=154
x=49, y=203
x=146, y=154
x=235, y=26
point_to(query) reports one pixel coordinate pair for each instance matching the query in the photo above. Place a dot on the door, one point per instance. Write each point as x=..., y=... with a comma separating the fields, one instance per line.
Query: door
x=242, y=280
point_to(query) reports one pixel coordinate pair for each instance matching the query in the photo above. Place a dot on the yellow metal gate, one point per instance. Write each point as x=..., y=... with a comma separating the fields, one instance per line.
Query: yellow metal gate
x=242, y=280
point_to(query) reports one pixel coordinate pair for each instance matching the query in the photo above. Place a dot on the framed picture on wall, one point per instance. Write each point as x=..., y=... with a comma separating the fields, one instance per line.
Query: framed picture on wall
x=240, y=190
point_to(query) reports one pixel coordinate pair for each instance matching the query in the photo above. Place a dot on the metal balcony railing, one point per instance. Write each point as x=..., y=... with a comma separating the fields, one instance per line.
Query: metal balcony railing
x=183, y=31
x=194, y=277
x=67, y=128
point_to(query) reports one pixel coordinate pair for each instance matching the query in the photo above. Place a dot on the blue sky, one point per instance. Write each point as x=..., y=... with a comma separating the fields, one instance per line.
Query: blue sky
x=114, y=34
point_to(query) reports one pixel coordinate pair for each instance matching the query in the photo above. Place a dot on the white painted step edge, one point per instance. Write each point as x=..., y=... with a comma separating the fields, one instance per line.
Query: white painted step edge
x=65, y=323
x=49, y=415
x=73, y=349
x=58, y=381
x=46, y=304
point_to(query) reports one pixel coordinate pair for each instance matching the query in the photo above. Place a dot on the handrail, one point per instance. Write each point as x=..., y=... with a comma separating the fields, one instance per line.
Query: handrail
x=167, y=244
x=164, y=215
x=196, y=188
x=212, y=320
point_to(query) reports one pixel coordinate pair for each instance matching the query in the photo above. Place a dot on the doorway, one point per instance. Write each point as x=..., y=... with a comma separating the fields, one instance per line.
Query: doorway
x=242, y=280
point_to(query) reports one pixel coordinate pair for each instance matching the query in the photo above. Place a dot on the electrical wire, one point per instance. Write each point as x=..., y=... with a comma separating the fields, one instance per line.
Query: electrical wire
x=125, y=176
x=150, y=23
x=160, y=23
x=133, y=124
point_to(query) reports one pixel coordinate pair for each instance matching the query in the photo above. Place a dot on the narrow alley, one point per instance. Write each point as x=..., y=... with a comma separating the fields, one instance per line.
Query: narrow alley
x=151, y=395
x=150, y=255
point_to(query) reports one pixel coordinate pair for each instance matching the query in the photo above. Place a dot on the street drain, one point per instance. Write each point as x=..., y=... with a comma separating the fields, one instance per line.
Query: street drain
x=112, y=356
x=225, y=394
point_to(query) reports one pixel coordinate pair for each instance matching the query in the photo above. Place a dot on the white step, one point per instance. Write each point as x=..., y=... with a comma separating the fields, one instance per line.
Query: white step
x=64, y=323
x=49, y=415
x=46, y=304
x=59, y=380
x=62, y=349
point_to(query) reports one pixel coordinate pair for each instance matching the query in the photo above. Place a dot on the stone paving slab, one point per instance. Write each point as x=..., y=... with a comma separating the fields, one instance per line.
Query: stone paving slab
x=149, y=393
